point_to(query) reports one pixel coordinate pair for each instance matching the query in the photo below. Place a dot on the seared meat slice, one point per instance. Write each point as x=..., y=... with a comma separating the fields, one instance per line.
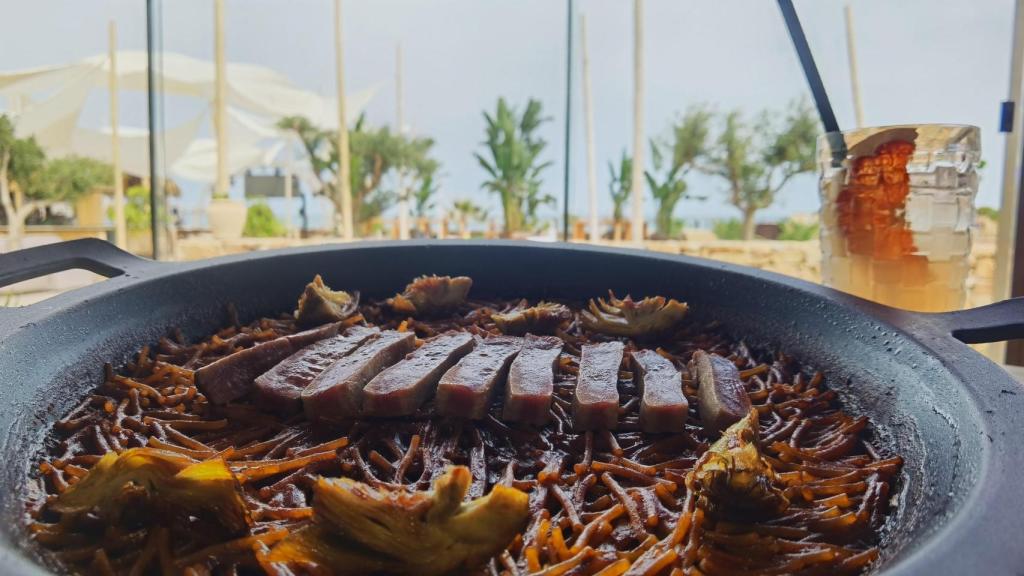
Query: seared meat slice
x=663, y=407
x=432, y=295
x=307, y=337
x=721, y=395
x=466, y=390
x=319, y=304
x=531, y=380
x=402, y=388
x=280, y=388
x=596, y=401
x=543, y=318
x=231, y=377
x=337, y=393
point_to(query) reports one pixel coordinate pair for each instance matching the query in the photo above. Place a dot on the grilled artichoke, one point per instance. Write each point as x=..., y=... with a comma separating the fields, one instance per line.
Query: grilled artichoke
x=543, y=318
x=359, y=529
x=431, y=295
x=173, y=483
x=625, y=317
x=321, y=305
x=732, y=478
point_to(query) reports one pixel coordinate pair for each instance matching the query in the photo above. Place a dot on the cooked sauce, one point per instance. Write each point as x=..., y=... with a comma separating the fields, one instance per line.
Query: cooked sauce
x=601, y=501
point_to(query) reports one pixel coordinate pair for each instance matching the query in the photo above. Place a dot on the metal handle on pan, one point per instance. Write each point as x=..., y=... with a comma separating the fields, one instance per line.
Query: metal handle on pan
x=91, y=254
x=992, y=323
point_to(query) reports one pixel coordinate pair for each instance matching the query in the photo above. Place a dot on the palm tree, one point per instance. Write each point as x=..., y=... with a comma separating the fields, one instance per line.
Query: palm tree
x=686, y=150
x=620, y=185
x=465, y=211
x=514, y=164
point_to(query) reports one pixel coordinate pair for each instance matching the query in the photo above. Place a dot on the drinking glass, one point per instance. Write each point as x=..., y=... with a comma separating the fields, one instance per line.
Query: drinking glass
x=897, y=209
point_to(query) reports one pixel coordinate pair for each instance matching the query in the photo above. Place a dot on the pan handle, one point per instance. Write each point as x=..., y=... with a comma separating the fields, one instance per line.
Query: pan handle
x=92, y=254
x=992, y=323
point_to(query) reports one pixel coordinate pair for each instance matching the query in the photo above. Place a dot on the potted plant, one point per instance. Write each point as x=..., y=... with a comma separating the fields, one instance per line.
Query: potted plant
x=226, y=216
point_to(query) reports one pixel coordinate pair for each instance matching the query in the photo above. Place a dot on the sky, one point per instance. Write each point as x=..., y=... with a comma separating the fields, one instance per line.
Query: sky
x=920, y=61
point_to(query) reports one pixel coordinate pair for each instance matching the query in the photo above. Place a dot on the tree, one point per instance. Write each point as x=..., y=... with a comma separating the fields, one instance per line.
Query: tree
x=514, y=164
x=466, y=211
x=422, y=196
x=757, y=160
x=686, y=150
x=29, y=182
x=620, y=184
x=375, y=154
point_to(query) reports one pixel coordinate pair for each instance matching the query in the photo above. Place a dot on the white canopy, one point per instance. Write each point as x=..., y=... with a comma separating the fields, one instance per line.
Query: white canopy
x=48, y=101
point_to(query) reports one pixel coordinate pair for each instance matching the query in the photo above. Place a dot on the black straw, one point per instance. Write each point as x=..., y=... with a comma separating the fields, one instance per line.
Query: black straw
x=796, y=32
x=568, y=122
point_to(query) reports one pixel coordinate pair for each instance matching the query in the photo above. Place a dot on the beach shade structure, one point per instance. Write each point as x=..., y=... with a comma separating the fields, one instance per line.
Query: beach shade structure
x=47, y=102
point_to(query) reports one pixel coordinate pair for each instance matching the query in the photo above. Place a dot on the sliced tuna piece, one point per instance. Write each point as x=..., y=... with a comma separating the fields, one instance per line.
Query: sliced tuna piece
x=467, y=388
x=280, y=388
x=337, y=393
x=721, y=396
x=531, y=380
x=596, y=401
x=307, y=337
x=403, y=388
x=663, y=406
x=231, y=377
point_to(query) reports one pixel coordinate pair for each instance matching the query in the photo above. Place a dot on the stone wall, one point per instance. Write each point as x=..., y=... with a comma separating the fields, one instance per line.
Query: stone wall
x=799, y=259
x=803, y=259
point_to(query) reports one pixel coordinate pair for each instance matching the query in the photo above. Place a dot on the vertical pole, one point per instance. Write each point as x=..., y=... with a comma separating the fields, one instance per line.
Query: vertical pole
x=637, y=176
x=1008, y=206
x=222, y=186
x=120, y=229
x=343, y=187
x=289, y=229
x=403, y=193
x=851, y=52
x=152, y=94
x=568, y=120
x=588, y=105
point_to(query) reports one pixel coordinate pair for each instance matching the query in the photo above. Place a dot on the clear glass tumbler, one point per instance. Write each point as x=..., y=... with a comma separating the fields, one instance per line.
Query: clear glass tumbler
x=897, y=208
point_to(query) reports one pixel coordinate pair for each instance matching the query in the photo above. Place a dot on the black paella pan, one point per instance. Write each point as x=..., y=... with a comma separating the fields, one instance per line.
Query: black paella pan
x=956, y=418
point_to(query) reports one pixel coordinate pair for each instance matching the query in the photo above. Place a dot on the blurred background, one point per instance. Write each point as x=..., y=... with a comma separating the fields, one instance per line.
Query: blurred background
x=679, y=127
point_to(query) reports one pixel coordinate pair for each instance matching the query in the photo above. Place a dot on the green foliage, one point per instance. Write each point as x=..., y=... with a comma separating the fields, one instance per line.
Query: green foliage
x=137, y=214
x=731, y=229
x=790, y=229
x=375, y=157
x=22, y=157
x=423, y=196
x=28, y=181
x=757, y=160
x=469, y=210
x=260, y=222
x=620, y=184
x=67, y=179
x=674, y=159
x=513, y=162
x=989, y=212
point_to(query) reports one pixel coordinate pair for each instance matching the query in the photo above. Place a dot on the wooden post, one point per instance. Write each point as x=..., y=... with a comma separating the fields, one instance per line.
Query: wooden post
x=1006, y=232
x=343, y=187
x=851, y=52
x=289, y=229
x=220, y=115
x=120, y=227
x=403, y=192
x=588, y=115
x=637, y=176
